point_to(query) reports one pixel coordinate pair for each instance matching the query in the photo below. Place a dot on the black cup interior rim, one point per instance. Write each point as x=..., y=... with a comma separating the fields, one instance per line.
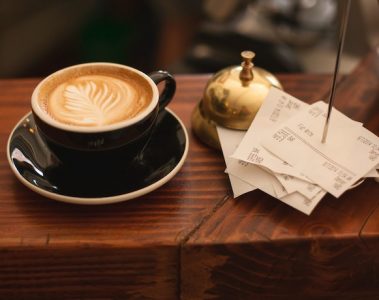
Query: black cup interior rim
x=99, y=200
x=36, y=109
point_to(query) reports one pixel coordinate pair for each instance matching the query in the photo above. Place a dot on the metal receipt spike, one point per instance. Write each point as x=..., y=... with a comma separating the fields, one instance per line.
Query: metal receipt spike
x=341, y=40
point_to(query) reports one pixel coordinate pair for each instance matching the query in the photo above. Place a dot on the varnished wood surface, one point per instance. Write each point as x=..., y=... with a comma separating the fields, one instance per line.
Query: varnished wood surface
x=189, y=239
x=60, y=251
x=254, y=247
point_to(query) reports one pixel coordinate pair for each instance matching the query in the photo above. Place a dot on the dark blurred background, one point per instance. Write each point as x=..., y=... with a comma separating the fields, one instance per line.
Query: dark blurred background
x=38, y=37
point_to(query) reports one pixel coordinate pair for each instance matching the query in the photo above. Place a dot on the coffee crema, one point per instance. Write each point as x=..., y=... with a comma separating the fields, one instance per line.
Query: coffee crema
x=96, y=100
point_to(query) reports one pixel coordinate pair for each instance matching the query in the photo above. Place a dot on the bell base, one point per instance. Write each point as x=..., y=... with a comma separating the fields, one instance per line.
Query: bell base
x=204, y=129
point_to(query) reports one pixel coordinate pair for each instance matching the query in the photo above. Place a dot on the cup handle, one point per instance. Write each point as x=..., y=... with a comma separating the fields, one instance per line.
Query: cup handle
x=169, y=89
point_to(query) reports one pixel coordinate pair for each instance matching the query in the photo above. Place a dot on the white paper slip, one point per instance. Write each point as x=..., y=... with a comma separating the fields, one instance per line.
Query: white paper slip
x=266, y=182
x=280, y=191
x=256, y=176
x=288, y=186
x=262, y=179
x=277, y=107
x=239, y=187
x=301, y=203
x=229, y=140
x=292, y=184
x=349, y=153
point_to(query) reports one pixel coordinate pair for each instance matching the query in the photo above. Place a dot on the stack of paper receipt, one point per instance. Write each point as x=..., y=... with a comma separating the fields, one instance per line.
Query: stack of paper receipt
x=282, y=154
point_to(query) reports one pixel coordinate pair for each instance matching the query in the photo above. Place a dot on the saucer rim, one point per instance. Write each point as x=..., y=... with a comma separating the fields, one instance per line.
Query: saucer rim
x=100, y=200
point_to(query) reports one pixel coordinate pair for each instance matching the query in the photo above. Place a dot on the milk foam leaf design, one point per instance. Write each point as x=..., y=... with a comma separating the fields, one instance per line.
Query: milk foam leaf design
x=89, y=102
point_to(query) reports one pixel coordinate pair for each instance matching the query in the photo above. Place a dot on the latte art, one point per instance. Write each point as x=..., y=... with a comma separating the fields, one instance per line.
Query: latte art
x=90, y=103
x=96, y=100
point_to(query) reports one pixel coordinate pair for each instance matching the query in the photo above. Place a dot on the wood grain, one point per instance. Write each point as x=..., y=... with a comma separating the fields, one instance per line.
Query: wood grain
x=189, y=239
x=255, y=247
x=60, y=251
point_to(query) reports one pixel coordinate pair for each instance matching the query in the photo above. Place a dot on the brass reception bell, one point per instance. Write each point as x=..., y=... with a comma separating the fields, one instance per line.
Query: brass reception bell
x=231, y=99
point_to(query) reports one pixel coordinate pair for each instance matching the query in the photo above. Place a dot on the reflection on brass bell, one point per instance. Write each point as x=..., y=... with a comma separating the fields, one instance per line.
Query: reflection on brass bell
x=231, y=99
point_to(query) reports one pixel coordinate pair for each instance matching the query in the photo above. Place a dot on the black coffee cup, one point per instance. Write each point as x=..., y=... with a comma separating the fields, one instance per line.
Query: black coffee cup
x=76, y=144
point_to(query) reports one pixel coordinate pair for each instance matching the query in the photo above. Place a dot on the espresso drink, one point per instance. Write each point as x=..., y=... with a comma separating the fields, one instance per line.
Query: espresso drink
x=94, y=96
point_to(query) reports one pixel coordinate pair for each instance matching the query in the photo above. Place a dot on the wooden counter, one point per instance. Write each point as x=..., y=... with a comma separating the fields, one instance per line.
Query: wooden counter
x=190, y=239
